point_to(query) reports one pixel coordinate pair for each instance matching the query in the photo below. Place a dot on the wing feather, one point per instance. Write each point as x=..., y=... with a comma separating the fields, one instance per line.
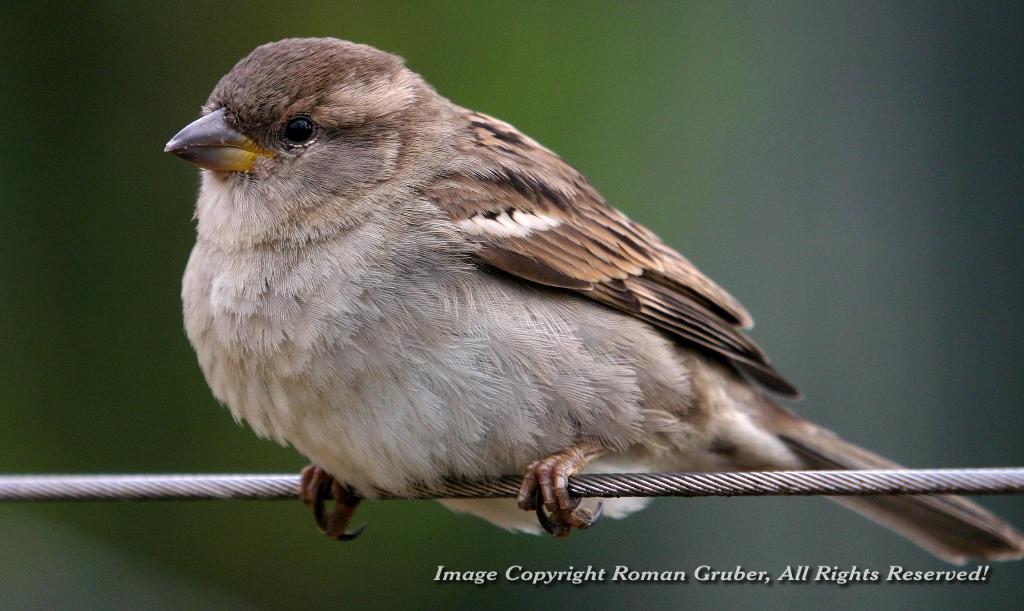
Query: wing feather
x=536, y=217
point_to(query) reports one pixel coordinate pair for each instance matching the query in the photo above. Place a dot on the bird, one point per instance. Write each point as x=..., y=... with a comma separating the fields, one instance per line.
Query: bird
x=408, y=291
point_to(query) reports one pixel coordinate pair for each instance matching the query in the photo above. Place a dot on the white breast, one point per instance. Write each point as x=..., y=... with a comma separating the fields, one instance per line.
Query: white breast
x=387, y=357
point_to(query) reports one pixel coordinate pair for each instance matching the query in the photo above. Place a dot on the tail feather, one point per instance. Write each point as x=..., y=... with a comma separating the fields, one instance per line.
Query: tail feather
x=950, y=527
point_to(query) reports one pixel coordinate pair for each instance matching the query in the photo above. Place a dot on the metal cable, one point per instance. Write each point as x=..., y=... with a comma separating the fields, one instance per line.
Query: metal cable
x=608, y=485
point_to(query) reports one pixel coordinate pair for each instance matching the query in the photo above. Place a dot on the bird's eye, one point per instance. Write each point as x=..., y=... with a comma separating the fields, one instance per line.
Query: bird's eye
x=299, y=129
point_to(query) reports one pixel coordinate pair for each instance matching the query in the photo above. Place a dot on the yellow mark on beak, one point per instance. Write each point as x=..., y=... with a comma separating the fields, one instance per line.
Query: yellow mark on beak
x=209, y=142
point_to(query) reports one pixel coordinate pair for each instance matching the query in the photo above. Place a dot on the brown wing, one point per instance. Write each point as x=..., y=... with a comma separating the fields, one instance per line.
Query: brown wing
x=538, y=218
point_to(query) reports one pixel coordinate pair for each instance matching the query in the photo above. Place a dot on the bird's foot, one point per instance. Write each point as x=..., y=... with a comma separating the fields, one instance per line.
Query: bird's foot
x=545, y=489
x=316, y=487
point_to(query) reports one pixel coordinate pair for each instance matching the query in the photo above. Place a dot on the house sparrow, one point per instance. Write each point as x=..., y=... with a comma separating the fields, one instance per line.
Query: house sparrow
x=406, y=290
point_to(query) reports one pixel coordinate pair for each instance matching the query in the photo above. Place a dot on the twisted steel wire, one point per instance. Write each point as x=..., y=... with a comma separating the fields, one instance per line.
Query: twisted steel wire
x=606, y=485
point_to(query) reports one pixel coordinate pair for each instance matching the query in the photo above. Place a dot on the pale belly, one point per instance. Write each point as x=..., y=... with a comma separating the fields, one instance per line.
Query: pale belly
x=456, y=373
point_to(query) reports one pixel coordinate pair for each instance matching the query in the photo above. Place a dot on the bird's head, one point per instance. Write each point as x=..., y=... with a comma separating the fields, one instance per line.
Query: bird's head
x=301, y=125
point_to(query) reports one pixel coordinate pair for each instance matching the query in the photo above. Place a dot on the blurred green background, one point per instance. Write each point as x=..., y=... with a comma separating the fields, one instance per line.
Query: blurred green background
x=851, y=171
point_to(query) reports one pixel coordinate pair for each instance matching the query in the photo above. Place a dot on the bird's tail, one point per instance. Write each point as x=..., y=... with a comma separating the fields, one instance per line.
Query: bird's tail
x=950, y=527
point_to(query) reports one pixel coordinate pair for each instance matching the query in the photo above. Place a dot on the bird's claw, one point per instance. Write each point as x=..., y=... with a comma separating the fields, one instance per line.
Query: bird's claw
x=545, y=491
x=316, y=488
x=558, y=523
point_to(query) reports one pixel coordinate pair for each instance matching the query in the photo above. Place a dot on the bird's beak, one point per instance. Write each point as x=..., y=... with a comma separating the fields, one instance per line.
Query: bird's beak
x=209, y=142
